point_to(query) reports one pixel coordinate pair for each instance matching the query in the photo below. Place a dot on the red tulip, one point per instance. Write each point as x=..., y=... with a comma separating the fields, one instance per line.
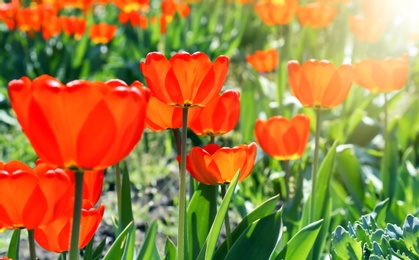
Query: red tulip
x=80, y=125
x=30, y=198
x=217, y=117
x=102, y=33
x=281, y=138
x=186, y=80
x=214, y=164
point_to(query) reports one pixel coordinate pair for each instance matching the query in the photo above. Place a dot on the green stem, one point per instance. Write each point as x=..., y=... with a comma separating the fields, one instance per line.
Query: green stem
x=31, y=238
x=286, y=168
x=182, y=189
x=227, y=221
x=75, y=229
x=315, y=166
x=64, y=255
x=178, y=140
x=385, y=119
x=212, y=139
x=118, y=187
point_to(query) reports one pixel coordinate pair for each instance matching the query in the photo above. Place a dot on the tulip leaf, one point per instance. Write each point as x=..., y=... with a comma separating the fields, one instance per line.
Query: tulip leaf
x=259, y=239
x=170, y=251
x=350, y=172
x=116, y=251
x=149, y=249
x=248, y=108
x=97, y=254
x=13, y=251
x=208, y=248
x=262, y=211
x=200, y=216
x=300, y=245
x=125, y=215
x=323, y=201
x=389, y=164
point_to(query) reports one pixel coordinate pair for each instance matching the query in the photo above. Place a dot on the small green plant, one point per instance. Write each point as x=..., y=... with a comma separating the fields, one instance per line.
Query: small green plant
x=366, y=239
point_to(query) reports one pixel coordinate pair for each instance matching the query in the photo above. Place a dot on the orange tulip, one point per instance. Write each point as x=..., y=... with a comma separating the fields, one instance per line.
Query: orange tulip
x=102, y=33
x=55, y=237
x=73, y=26
x=92, y=183
x=160, y=116
x=186, y=80
x=51, y=28
x=281, y=138
x=214, y=164
x=383, y=9
x=28, y=19
x=218, y=117
x=128, y=6
x=367, y=29
x=8, y=13
x=316, y=15
x=30, y=198
x=274, y=12
x=382, y=75
x=135, y=19
x=264, y=61
x=319, y=83
x=80, y=125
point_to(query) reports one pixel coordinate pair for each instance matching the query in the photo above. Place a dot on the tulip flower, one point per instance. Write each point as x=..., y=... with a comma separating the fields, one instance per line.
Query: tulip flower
x=382, y=75
x=160, y=116
x=73, y=26
x=264, y=61
x=214, y=164
x=383, y=9
x=102, y=33
x=30, y=198
x=316, y=15
x=55, y=237
x=186, y=80
x=217, y=117
x=319, y=83
x=128, y=6
x=367, y=29
x=276, y=12
x=135, y=18
x=8, y=12
x=281, y=138
x=80, y=125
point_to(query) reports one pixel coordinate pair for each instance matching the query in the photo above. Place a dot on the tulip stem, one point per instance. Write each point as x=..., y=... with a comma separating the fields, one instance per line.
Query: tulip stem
x=178, y=140
x=31, y=239
x=286, y=168
x=182, y=247
x=315, y=166
x=226, y=221
x=212, y=139
x=75, y=229
x=118, y=187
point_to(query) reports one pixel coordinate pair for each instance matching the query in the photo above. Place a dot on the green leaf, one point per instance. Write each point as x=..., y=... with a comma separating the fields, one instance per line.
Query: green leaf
x=263, y=210
x=117, y=249
x=200, y=216
x=170, y=252
x=212, y=238
x=13, y=250
x=300, y=245
x=97, y=254
x=126, y=215
x=411, y=233
x=323, y=201
x=350, y=172
x=379, y=213
x=346, y=246
x=389, y=165
x=258, y=240
x=149, y=249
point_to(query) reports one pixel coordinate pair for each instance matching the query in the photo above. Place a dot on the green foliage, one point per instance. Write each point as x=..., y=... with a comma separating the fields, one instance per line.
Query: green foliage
x=368, y=239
